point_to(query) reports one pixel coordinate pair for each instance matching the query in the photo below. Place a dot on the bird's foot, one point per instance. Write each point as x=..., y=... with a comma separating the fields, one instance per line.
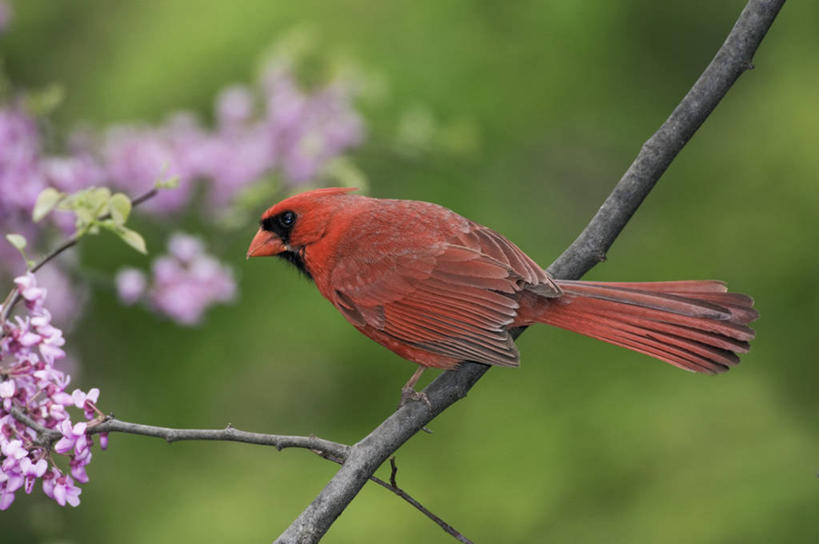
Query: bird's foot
x=409, y=394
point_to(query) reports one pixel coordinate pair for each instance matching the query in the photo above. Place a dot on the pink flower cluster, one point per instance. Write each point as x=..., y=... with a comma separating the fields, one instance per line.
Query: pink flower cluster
x=275, y=129
x=31, y=384
x=24, y=172
x=184, y=283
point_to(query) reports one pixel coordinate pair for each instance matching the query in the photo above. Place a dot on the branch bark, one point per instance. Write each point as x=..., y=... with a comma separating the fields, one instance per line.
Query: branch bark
x=590, y=248
x=47, y=437
x=332, y=451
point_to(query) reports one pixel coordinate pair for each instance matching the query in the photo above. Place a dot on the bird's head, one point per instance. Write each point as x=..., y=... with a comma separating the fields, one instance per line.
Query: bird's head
x=288, y=227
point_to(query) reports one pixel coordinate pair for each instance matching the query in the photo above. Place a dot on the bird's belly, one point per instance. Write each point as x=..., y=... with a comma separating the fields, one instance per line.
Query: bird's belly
x=407, y=350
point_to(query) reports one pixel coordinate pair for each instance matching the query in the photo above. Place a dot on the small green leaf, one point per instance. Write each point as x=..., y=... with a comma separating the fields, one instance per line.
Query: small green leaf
x=97, y=200
x=17, y=240
x=120, y=208
x=169, y=183
x=132, y=238
x=46, y=201
x=84, y=217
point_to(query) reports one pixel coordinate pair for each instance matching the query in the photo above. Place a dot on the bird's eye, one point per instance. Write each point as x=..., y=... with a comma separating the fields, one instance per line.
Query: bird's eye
x=286, y=219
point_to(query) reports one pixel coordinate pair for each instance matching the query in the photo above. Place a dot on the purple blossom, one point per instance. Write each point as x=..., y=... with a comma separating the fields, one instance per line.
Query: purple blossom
x=29, y=347
x=185, y=248
x=299, y=132
x=72, y=173
x=137, y=157
x=234, y=106
x=186, y=281
x=74, y=439
x=78, y=464
x=61, y=488
x=131, y=285
x=31, y=471
x=20, y=178
x=277, y=128
x=237, y=159
x=9, y=483
x=308, y=131
x=7, y=389
x=86, y=401
x=13, y=451
x=31, y=293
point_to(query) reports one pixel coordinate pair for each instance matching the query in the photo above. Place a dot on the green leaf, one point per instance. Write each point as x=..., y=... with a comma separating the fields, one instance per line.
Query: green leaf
x=132, y=238
x=169, y=183
x=97, y=200
x=46, y=201
x=84, y=218
x=17, y=240
x=120, y=208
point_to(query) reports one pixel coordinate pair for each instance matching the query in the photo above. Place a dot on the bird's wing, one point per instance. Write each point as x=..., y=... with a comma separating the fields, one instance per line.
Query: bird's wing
x=454, y=298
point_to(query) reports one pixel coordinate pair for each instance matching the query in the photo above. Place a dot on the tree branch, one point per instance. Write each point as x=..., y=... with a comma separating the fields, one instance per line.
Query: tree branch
x=332, y=451
x=47, y=437
x=732, y=59
x=393, y=487
x=229, y=433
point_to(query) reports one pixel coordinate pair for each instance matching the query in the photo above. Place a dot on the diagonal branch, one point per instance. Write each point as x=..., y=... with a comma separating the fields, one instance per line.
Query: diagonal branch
x=732, y=59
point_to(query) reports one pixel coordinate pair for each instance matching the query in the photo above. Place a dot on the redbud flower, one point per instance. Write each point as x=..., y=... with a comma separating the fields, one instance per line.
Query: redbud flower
x=61, y=488
x=29, y=346
x=186, y=281
x=131, y=284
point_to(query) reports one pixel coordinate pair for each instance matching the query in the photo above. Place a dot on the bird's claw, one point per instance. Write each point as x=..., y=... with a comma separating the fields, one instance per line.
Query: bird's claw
x=409, y=394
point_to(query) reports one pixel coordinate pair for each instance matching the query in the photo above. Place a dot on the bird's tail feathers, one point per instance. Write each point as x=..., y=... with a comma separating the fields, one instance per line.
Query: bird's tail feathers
x=694, y=325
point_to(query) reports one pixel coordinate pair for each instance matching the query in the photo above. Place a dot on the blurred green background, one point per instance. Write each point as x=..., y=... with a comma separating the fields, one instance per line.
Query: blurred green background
x=585, y=442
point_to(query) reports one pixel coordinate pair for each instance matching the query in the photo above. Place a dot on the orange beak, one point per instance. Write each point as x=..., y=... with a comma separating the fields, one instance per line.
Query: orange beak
x=265, y=244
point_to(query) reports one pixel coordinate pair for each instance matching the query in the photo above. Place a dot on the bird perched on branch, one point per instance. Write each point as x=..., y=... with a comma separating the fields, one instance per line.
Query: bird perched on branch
x=438, y=289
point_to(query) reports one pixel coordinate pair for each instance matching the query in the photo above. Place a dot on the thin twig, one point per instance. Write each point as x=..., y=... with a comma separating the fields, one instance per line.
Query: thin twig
x=393, y=487
x=229, y=433
x=14, y=297
x=732, y=59
x=47, y=437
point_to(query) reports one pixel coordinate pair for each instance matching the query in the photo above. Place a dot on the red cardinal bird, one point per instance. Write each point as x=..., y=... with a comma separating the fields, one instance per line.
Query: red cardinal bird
x=438, y=289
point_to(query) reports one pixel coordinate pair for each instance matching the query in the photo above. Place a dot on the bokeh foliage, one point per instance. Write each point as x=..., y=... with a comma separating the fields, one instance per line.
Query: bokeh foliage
x=585, y=442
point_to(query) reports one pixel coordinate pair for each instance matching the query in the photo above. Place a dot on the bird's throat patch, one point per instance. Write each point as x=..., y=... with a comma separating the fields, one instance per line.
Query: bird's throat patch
x=296, y=259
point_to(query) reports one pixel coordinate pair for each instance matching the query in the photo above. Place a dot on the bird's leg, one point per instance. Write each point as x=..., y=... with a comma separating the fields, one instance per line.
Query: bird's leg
x=409, y=393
